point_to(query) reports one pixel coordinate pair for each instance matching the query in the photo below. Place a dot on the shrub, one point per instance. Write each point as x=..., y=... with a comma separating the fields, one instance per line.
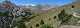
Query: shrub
x=46, y=26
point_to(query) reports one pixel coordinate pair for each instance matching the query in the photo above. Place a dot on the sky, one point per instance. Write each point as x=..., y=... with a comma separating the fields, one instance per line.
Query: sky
x=1, y=1
x=51, y=2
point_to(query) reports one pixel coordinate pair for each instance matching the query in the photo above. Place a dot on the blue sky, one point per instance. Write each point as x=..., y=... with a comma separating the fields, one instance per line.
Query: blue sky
x=1, y=1
x=51, y=2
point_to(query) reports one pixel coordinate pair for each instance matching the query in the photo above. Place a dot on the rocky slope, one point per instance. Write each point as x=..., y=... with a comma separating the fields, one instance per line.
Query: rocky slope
x=56, y=17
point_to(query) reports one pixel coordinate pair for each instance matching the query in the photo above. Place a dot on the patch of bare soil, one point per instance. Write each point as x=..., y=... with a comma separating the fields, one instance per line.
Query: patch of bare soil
x=69, y=26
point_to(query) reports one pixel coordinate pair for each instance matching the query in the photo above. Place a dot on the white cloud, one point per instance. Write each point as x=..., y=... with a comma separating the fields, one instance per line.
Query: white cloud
x=30, y=4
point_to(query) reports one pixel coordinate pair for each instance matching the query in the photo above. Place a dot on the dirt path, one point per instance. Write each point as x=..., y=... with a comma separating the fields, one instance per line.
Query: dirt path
x=69, y=26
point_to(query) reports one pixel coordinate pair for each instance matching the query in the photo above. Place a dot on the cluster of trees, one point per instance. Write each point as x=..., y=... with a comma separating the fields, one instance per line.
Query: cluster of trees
x=63, y=17
x=4, y=13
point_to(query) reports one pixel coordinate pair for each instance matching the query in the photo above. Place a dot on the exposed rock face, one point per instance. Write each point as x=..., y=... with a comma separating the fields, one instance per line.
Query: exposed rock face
x=5, y=21
x=6, y=5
